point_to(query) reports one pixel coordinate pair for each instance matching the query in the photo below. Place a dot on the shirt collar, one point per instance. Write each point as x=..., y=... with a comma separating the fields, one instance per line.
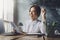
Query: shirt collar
x=35, y=21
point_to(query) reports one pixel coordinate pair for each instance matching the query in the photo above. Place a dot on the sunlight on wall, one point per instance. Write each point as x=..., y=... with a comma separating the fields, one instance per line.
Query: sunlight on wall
x=8, y=10
x=1, y=9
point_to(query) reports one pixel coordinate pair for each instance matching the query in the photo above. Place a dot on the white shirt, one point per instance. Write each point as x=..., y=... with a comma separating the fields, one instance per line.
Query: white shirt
x=34, y=27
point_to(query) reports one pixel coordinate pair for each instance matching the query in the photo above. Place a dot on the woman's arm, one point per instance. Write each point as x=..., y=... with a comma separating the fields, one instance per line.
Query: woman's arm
x=43, y=14
x=43, y=25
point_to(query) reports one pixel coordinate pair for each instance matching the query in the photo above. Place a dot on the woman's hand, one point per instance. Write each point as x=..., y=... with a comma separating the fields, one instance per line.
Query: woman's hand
x=43, y=13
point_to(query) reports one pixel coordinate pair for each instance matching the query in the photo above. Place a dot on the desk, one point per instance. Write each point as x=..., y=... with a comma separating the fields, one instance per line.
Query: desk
x=22, y=37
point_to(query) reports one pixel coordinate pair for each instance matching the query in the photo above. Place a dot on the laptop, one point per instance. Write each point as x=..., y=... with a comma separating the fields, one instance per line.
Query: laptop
x=12, y=33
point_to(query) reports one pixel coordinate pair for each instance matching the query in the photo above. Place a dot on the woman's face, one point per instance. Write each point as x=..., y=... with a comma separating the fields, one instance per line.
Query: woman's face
x=33, y=13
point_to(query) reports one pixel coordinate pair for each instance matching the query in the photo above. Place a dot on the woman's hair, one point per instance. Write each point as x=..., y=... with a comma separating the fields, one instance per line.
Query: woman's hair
x=38, y=9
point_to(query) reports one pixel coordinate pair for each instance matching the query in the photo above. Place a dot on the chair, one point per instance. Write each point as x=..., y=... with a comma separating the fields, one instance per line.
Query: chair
x=1, y=27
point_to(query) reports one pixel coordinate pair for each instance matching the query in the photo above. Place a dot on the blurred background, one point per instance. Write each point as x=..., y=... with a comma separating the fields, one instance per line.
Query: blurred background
x=17, y=11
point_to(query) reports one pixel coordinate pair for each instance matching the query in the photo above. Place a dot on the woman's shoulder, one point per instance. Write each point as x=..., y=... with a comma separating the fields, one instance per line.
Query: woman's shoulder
x=39, y=21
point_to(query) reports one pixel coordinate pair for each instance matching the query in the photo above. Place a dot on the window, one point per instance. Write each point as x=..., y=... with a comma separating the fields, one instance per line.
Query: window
x=6, y=12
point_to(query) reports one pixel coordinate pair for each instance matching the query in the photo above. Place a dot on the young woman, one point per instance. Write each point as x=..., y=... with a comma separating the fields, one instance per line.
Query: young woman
x=34, y=25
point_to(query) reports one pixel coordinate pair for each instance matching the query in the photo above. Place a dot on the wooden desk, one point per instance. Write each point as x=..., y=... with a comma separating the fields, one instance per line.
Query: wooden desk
x=22, y=37
x=10, y=37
